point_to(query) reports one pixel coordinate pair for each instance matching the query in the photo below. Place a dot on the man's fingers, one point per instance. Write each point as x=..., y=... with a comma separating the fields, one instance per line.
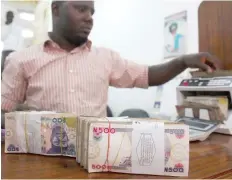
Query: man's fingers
x=205, y=67
x=211, y=61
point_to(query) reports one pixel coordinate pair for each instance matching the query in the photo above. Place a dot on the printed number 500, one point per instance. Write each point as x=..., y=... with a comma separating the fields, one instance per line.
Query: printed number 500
x=97, y=166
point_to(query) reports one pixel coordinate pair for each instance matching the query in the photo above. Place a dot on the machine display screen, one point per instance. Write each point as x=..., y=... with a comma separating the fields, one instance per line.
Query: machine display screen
x=194, y=124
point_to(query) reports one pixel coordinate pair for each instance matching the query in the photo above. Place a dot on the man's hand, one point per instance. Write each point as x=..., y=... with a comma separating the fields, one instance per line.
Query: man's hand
x=160, y=74
x=204, y=61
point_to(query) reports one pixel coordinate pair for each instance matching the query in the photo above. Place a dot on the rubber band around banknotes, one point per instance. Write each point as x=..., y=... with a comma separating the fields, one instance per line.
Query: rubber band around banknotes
x=25, y=130
x=108, y=148
x=61, y=149
x=61, y=132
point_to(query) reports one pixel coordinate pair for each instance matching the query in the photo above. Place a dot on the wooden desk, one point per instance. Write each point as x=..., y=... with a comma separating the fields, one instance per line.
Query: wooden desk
x=209, y=159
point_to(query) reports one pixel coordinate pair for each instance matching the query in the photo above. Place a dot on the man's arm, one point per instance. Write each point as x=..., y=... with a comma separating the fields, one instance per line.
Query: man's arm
x=162, y=73
x=13, y=85
x=127, y=74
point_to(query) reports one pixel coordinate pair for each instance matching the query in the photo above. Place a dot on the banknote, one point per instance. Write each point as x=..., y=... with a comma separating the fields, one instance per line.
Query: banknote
x=2, y=135
x=217, y=73
x=22, y=132
x=79, y=136
x=46, y=133
x=221, y=102
x=114, y=151
x=13, y=144
x=213, y=113
x=58, y=134
x=176, y=150
x=85, y=133
x=82, y=131
x=115, y=147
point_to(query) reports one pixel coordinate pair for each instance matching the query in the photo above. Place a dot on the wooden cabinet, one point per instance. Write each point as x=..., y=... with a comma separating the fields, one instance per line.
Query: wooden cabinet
x=215, y=30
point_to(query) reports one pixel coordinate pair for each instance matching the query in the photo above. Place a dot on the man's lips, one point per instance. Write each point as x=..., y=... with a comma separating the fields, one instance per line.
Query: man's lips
x=86, y=29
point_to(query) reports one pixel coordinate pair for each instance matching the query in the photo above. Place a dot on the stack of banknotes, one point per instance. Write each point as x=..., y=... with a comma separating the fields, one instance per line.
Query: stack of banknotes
x=217, y=73
x=45, y=133
x=216, y=106
x=122, y=145
x=136, y=146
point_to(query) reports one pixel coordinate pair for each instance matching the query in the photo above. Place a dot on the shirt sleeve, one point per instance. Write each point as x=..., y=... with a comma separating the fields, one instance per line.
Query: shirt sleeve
x=127, y=74
x=13, y=84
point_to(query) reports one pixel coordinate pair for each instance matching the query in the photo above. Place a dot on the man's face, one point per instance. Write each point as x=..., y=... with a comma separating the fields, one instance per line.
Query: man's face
x=74, y=19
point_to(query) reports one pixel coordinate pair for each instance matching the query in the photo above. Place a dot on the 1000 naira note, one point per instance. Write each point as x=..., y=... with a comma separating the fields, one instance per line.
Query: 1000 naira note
x=23, y=132
x=58, y=135
x=126, y=148
x=46, y=133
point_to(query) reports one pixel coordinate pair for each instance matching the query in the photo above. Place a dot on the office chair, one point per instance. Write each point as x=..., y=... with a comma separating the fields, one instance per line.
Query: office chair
x=135, y=113
x=109, y=112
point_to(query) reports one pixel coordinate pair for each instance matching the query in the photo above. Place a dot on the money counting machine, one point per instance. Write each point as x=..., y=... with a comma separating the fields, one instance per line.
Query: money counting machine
x=201, y=90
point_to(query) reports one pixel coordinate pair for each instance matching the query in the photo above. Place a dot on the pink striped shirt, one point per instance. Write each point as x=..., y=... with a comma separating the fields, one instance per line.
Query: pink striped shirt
x=50, y=78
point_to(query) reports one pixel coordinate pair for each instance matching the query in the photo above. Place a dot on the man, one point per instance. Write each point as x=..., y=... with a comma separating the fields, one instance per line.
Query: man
x=11, y=33
x=6, y=25
x=6, y=30
x=66, y=73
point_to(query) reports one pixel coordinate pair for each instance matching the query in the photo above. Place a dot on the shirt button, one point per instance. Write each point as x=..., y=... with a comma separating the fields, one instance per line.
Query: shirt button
x=71, y=71
x=72, y=90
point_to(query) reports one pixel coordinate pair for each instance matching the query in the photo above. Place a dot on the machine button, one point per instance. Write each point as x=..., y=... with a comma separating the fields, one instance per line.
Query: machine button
x=185, y=83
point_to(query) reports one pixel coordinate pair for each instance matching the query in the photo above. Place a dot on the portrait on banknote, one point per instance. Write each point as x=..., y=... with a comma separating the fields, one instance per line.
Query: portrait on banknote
x=57, y=136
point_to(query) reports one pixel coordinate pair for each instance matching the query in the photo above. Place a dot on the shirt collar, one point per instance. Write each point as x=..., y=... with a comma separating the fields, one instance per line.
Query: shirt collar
x=49, y=42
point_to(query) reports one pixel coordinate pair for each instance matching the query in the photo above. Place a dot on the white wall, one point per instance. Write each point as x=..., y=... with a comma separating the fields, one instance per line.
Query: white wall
x=135, y=29
x=21, y=28
x=171, y=7
x=132, y=28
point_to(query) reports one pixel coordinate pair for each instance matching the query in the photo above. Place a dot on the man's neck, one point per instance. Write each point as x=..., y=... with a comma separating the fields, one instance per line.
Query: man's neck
x=62, y=42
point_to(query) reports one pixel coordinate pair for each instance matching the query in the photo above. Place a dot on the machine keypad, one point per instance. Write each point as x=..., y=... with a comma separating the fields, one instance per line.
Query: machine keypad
x=219, y=82
x=207, y=82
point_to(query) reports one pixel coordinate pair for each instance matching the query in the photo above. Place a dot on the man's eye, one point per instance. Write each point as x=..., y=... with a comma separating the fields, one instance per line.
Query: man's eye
x=81, y=9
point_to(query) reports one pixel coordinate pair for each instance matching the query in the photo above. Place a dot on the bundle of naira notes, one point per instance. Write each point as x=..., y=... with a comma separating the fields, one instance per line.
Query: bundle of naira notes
x=134, y=146
x=122, y=145
x=45, y=133
x=216, y=106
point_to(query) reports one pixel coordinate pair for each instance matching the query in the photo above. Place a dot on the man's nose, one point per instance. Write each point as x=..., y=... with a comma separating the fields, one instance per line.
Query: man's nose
x=88, y=17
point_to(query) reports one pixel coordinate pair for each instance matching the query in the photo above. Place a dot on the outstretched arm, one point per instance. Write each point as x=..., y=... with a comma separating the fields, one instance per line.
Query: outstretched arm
x=160, y=74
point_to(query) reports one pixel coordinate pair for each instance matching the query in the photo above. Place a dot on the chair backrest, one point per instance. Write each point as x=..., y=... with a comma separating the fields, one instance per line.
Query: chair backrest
x=109, y=112
x=135, y=113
